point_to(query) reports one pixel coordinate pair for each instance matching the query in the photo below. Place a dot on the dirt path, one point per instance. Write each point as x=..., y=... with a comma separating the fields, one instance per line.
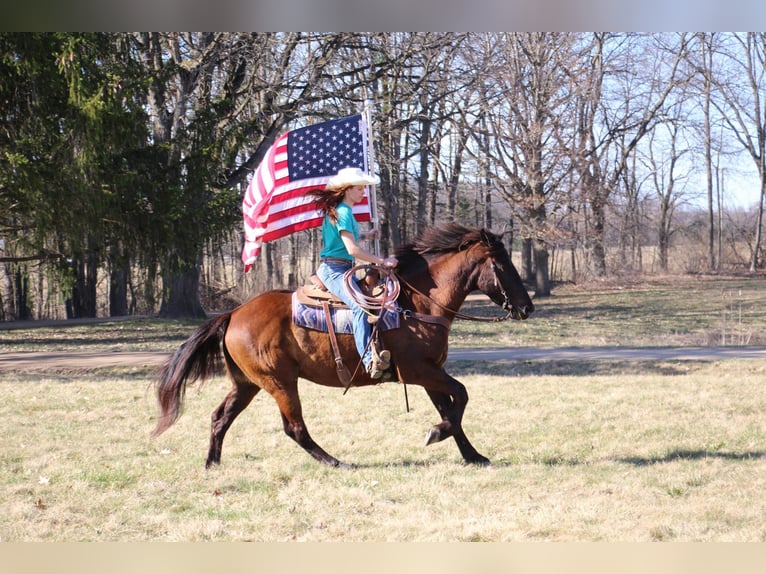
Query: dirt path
x=47, y=361
x=73, y=361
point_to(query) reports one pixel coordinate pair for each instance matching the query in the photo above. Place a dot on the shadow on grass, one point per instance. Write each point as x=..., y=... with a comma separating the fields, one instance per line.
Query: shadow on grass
x=546, y=460
x=702, y=454
x=569, y=368
x=558, y=460
x=95, y=342
x=150, y=334
x=393, y=464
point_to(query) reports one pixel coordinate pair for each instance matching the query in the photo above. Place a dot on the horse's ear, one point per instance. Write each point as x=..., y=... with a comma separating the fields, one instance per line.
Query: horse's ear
x=486, y=237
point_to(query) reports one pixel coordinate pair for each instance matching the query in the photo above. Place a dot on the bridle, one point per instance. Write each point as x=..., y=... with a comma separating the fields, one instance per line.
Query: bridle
x=387, y=300
x=506, y=300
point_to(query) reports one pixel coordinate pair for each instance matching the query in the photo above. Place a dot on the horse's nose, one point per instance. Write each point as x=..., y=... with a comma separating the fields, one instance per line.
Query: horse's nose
x=521, y=312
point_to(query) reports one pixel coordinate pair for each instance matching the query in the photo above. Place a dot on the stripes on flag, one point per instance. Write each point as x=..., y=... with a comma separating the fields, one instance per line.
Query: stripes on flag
x=276, y=203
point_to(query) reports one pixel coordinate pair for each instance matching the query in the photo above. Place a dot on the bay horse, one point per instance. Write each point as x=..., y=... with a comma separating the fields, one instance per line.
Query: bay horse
x=261, y=348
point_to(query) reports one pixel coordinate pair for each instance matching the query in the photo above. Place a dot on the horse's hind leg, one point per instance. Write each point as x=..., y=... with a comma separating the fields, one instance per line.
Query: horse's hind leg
x=292, y=420
x=296, y=430
x=235, y=402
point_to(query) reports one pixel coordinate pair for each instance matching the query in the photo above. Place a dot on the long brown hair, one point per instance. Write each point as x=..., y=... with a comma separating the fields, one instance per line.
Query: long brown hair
x=327, y=201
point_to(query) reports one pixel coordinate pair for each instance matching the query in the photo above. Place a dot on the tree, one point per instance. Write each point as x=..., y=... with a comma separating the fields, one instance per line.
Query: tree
x=663, y=161
x=68, y=118
x=531, y=133
x=31, y=93
x=743, y=109
x=217, y=102
x=634, y=80
x=706, y=43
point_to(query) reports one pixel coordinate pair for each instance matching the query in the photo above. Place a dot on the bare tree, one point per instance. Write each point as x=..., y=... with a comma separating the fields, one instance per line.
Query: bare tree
x=743, y=91
x=663, y=159
x=635, y=75
x=217, y=102
x=706, y=42
x=530, y=123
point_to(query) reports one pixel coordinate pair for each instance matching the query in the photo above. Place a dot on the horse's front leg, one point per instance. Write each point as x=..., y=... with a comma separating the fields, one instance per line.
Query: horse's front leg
x=451, y=403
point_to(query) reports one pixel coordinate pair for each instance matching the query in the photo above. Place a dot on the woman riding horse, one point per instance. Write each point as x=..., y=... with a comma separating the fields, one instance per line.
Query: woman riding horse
x=263, y=349
x=340, y=236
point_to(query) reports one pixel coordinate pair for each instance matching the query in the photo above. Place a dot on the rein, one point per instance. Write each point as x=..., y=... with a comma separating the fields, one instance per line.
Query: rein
x=457, y=314
x=391, y=294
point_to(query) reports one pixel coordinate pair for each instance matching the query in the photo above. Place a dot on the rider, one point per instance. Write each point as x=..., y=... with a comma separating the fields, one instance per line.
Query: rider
x=340, y=237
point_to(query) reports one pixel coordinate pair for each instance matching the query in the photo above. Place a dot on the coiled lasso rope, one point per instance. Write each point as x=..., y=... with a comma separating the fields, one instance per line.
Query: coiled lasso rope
x=373, y=305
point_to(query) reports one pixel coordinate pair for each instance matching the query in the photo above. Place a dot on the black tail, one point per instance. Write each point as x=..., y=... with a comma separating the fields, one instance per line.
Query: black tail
x=199, y=357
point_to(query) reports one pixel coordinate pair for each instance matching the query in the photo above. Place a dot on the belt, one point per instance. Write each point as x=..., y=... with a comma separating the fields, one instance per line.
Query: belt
x=336, y=260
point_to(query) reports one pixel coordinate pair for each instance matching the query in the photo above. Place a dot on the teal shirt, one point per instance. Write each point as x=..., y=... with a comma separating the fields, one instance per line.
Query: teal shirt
x=333, y=244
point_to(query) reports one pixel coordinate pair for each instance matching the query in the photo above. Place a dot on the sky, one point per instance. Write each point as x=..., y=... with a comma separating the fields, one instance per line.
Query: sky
x=387, y=16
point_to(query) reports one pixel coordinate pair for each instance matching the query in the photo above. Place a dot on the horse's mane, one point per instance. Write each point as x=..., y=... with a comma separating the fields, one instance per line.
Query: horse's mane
x=441, y=238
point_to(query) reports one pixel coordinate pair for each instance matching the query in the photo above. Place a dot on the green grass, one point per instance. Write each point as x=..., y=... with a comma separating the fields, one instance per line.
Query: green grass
x=144, y=334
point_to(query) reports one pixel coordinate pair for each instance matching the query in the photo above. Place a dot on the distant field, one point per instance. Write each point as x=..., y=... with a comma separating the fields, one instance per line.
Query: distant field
x=685, y=310
x=674, y=311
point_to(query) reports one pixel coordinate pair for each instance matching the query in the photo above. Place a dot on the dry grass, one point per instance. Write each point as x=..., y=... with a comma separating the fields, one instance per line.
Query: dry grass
x=599, y=450
x=673, y=310
x=676, y=452
x=661, y=311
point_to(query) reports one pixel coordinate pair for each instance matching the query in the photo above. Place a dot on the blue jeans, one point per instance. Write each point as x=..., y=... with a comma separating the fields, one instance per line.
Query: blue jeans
x=331, y=273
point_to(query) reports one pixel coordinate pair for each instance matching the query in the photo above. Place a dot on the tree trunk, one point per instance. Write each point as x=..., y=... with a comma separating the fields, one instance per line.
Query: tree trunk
x=21, y=295
x=707, y=67
x=82, y=303
x=758, y=230
x=292, y=271
x=527, y=274
x=599, y=225
x=709, y=181
x=118, y=282
x=181, y=294
x=509, y=237
x=542, y=278
x=663, y=243
x=424, y=142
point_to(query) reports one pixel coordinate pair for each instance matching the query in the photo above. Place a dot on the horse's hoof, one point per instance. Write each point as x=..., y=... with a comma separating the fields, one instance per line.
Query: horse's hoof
x=433, y=435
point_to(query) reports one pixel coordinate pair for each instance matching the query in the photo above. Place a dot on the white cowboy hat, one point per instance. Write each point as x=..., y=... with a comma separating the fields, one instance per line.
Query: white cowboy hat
x=350, y=176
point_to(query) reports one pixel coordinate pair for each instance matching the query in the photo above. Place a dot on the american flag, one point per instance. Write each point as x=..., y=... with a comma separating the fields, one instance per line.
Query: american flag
x=276, y=203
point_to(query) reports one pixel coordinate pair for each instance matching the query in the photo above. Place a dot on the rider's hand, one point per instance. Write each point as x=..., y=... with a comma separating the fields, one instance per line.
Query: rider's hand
x=390, y=262
x=371, y=234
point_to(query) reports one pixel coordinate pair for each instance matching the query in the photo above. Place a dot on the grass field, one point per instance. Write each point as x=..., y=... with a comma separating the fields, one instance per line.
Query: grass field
x=611, y=451
x=610, y=457
x=676, y=311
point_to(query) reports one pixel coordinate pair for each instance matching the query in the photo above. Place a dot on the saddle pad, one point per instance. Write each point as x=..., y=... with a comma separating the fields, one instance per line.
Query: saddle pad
x=314, y=318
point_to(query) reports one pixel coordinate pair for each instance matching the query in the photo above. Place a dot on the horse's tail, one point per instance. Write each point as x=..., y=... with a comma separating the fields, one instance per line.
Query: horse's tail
x=199, y=357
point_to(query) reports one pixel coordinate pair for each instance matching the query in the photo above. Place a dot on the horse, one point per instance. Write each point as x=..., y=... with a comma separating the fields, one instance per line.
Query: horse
x=261, y=348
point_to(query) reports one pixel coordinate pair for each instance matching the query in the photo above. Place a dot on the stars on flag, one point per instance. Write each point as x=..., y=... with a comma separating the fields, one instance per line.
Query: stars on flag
x=316, y=151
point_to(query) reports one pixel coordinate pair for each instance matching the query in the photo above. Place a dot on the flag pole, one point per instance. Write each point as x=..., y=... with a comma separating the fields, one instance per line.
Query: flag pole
x=370, y=167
